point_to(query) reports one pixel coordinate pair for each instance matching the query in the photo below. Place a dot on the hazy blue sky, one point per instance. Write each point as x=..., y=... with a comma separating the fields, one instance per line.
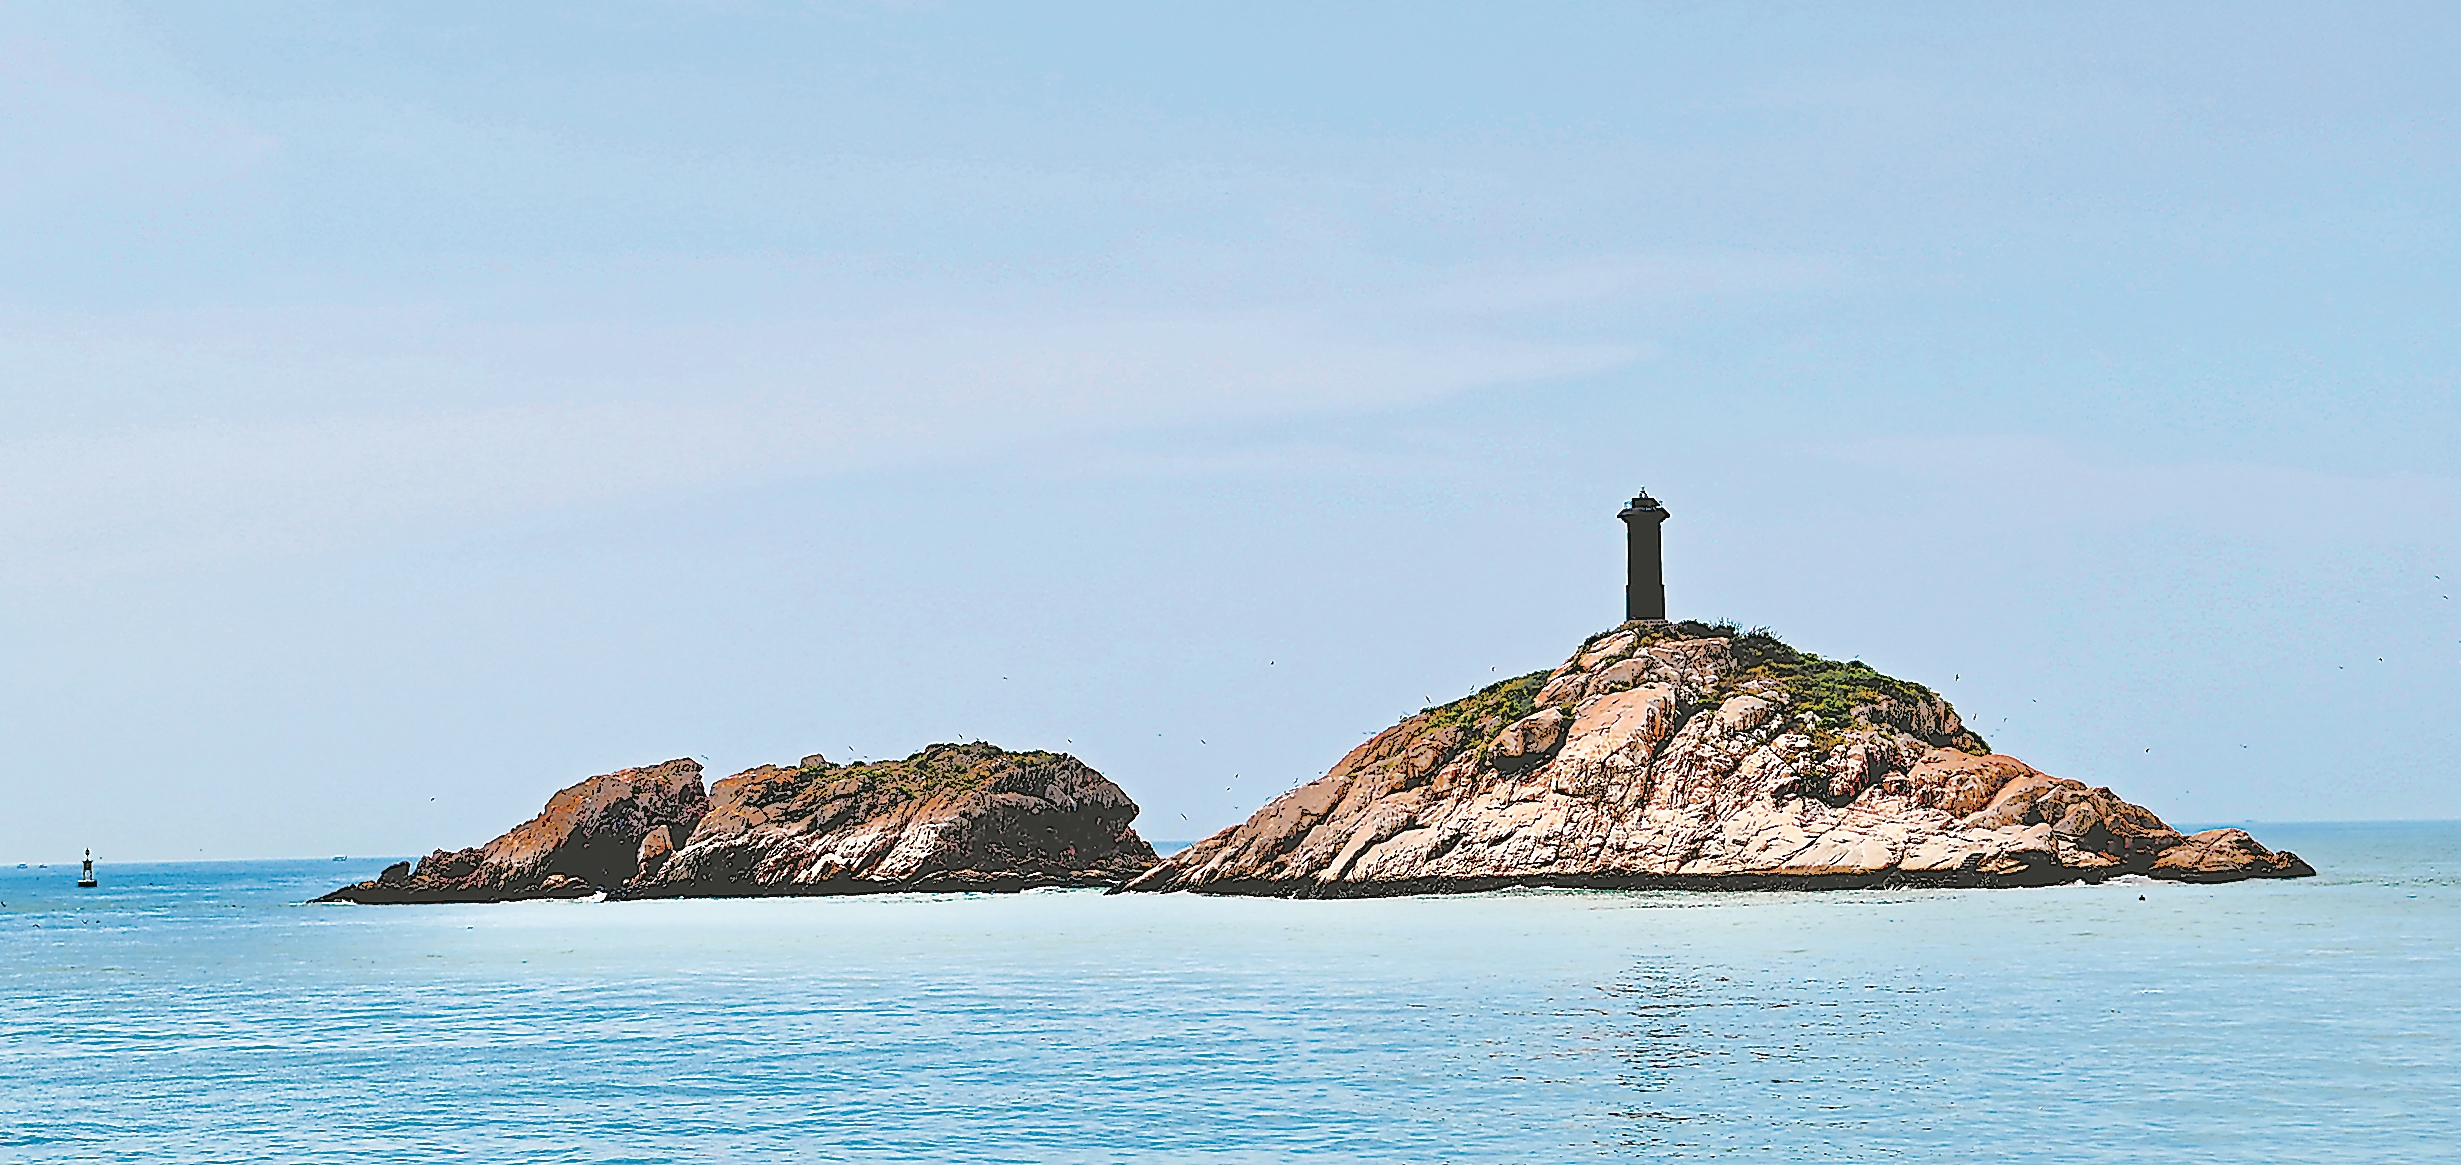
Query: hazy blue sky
x=410, y=410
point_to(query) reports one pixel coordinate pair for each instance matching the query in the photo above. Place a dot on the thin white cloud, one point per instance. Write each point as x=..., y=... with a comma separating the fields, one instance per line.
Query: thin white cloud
x=549, y=417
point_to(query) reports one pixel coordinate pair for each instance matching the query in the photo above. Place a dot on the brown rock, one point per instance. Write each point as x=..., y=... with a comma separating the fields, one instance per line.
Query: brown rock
x=563, y=886
x=952, y=817
x=588, y=840
x=655, y=849
x=1692, y=756
x=2227, y=855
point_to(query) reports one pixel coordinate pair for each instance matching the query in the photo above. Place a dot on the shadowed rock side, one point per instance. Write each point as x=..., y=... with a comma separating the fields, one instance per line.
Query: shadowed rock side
x=588, y=839
x=1693, y=756
x=952, y=817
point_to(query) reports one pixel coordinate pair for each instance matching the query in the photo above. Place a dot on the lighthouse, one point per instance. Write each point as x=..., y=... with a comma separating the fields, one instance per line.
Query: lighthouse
x=1645, y=572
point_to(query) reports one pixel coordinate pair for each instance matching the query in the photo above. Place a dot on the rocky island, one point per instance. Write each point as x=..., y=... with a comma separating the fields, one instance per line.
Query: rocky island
x=951, y=817
x=1693, y=756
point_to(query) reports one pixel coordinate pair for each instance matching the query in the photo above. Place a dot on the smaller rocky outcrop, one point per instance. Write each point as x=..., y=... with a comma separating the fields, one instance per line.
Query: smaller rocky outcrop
x=951, y=817
x=591, y=837
x=2227, y=855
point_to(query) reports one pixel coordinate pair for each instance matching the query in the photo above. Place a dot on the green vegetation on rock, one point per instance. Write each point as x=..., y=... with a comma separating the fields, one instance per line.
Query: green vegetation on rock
x=1506, y=700
x=943, y=768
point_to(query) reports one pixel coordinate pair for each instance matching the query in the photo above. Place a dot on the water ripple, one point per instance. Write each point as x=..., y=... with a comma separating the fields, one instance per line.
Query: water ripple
x=200, y=1013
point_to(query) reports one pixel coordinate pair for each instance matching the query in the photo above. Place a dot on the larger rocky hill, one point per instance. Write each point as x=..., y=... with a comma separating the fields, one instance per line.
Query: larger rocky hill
x=1693, y=756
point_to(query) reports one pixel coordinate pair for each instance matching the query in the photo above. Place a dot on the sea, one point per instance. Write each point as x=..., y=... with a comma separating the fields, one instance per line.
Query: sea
x=201, y=1012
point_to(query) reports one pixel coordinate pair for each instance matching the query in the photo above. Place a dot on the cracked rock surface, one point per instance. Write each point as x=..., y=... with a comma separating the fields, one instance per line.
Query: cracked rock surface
x=952, y=817
x=1693, y=756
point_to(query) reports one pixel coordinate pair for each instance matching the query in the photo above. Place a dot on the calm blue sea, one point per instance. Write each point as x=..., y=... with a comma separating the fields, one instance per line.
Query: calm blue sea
x=199, y=1012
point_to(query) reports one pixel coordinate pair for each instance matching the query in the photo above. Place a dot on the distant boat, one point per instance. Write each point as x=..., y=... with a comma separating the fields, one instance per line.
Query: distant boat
x=339, y=858
x=85, y=878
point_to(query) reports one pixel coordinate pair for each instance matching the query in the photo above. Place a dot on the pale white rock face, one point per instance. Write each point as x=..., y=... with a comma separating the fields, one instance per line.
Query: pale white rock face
x=1563, y=688
x=1612, y=647
x=1529, y=740
x=1628, y=725
x=1621, y=674
x=1653, y=758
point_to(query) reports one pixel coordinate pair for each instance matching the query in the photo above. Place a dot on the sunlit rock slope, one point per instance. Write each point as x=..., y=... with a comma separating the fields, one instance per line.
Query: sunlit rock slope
x=1693, y=756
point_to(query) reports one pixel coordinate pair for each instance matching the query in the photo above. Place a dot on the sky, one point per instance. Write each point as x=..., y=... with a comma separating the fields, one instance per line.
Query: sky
x=412, y=410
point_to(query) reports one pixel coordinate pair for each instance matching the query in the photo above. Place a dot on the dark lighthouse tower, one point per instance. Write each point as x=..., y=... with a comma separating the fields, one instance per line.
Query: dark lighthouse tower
x=1645, y=586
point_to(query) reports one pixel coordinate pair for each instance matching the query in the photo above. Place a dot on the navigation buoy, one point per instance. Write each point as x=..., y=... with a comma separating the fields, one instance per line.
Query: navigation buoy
x=85, y=877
